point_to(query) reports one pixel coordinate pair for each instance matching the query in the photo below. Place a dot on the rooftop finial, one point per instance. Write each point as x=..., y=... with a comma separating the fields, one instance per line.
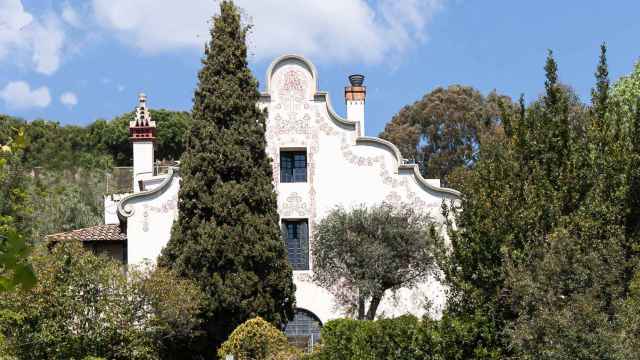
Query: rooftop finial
x=142, y=126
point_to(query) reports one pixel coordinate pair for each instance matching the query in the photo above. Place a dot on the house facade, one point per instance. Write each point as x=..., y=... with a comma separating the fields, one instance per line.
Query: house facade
x=320, y=160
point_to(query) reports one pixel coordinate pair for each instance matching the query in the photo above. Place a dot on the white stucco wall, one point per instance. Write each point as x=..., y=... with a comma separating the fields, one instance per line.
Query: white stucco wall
x=355, y=113
x=344, y=169
x=142, y=162
x=150, y=221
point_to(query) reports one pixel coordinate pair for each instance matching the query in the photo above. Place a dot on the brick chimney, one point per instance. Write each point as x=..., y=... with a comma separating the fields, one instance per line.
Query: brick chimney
x=354, y=96
x=142, y=132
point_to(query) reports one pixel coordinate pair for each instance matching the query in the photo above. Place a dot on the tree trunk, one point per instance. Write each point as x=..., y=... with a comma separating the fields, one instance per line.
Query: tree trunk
x=373, y=306
x=361, y=304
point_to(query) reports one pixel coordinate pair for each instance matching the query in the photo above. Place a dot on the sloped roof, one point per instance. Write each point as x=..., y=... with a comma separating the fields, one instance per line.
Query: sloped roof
x=107, y=232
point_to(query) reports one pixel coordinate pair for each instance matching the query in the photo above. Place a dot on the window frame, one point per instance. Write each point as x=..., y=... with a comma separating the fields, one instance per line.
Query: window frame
x=290, y=169
x=298, y=253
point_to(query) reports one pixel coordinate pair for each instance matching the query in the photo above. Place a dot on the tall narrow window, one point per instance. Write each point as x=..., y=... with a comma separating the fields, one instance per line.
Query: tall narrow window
x=293, y=166
x=296, y=234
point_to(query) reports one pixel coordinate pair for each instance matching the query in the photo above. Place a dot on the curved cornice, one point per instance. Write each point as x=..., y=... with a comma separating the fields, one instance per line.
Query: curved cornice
x=317, y=96
x=125, y=211
x=286, y=57
x=365, y=140
x=324, y=96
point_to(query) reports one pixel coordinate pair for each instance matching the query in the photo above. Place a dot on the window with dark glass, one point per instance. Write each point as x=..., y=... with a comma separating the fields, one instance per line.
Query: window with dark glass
x=293, y=166
x=296, y=234
x=303, y=331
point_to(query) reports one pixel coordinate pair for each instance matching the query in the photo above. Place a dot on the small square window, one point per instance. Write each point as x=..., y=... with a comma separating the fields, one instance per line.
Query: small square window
x=293, y=166
x=296, y=236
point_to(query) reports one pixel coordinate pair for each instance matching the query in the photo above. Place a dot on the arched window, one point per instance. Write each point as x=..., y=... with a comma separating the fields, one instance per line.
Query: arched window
x=304, y=330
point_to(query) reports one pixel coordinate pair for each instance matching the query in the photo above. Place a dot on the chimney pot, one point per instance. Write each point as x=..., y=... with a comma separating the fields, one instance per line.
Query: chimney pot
x=356, y=79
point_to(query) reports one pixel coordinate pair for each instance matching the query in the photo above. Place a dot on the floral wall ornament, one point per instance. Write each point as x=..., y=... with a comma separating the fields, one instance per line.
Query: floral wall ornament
x=393, y=198
x=164, y=208
x=294, y=205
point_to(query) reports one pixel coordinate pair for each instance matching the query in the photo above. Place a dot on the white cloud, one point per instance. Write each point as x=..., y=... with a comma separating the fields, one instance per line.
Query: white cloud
x=70, y=16
x=22, y=35
x=69, y=99
x=331, y=30
x=19, y=95
x=48, y=40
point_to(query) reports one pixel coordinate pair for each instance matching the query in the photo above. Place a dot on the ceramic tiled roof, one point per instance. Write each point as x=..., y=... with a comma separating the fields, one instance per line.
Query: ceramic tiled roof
x=107, y=232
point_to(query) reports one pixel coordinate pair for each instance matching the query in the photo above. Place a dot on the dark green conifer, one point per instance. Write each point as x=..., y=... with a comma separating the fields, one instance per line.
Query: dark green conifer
x=226, y=236
x=600, y=94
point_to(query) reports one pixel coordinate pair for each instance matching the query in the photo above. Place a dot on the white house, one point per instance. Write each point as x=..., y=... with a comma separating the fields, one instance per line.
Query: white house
x=320, y=160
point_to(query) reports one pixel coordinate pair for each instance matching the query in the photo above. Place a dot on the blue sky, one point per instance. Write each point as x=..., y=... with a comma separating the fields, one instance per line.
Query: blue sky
x=78, y=60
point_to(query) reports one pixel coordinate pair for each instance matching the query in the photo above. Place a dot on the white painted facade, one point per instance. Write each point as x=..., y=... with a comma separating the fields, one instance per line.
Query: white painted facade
x=344, y=168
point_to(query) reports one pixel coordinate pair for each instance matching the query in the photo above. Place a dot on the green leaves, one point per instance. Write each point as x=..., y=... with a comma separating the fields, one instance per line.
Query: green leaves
x=14, y=268
x=540, y=253
x=360, y=254
x=443, y=131
x=86, y=305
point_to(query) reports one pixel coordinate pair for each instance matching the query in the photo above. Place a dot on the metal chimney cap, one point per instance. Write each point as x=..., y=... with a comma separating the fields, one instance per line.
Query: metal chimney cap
x=356, y=79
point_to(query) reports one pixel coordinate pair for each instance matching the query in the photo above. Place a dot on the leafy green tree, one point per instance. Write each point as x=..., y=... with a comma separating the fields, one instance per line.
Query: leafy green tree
x=85, y=305
x=363, y=253
x=64, y=200
x=627, y=342
x=15, y=270
x=624, y=93
x=227, y=236
x=444, y=129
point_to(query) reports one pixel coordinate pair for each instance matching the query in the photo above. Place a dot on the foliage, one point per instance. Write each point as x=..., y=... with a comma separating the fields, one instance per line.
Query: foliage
x=13, y=183
x=99, y=145
x=65, y=200
x=404, y=337
x=14, y=267
x=84, y=305
x=112, y=137
x=627, y=342
x=625, y=92
x=444, y=129
x=257, y=339
x=226, y=236
x=360, y=254
x=540, y=250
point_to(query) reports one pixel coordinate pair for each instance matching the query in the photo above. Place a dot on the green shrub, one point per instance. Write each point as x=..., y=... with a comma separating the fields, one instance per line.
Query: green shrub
x=257, y=339
x=346, y=339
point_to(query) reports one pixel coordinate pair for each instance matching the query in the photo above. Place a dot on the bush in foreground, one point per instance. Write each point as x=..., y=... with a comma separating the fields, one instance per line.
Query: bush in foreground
x=256, y=339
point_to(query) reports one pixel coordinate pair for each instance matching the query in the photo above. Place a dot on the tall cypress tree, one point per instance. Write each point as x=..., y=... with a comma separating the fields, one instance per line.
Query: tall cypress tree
x=226, y=236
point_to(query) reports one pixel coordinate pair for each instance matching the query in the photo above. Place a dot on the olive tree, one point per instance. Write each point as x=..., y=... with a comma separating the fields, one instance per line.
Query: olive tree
x=362, y=253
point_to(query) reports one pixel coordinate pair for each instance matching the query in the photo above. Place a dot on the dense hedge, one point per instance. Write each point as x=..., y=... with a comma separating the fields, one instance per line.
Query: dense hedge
x=402, y=338
x=398, y=338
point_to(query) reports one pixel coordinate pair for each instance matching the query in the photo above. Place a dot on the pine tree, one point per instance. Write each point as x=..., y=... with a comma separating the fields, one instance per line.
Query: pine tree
x=226, y=236
x=600, y=94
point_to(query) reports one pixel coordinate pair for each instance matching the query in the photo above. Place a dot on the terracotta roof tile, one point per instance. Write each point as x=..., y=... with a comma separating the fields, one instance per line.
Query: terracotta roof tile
x=107, y=232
